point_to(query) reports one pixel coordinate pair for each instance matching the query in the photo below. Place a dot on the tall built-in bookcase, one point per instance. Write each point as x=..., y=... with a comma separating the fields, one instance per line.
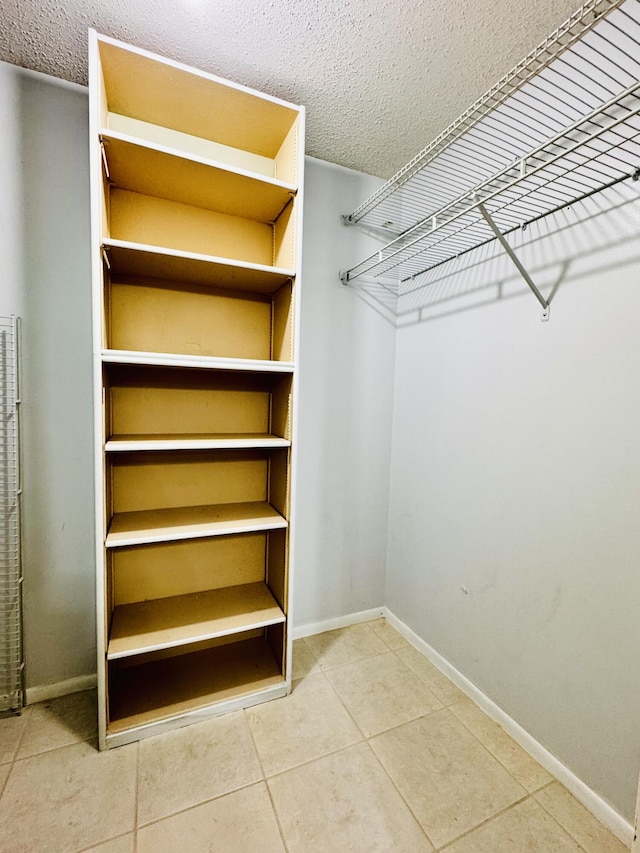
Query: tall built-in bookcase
x=196, y=232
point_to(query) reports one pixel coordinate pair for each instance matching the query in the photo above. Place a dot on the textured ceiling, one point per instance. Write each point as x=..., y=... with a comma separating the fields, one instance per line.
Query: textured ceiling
x=379, y=78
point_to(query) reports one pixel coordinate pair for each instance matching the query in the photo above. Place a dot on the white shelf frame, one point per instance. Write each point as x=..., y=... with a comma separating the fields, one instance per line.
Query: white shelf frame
x=263, y=133
x=583, y=84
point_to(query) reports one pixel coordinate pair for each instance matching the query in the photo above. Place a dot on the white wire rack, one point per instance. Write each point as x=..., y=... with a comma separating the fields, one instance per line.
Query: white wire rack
x=11, y=663
x=560, y=127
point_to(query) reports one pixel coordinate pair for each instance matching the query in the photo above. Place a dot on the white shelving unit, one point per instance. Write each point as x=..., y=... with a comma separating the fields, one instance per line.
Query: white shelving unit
x=196, y=227
x=562, y=126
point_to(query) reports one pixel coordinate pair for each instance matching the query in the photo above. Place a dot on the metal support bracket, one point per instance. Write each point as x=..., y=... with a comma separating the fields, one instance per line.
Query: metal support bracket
x=346, y=219
x=105, y=163
x=525, y=275
x=344, y=277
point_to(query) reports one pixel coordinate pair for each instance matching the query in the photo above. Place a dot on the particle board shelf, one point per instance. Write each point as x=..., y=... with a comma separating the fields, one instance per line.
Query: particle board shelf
x=162, y=689
x=230, y=441
x=165, y=359
x=141, y=260
x=166, y=623
x=156, y=170
x=178, y=523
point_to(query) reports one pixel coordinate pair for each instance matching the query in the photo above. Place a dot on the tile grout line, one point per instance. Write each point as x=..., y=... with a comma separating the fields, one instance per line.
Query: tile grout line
x=372, y=751
x=137, y=800
x=4, y=785
x=482, y=823
x=400, y=794
x=28, y=714
x=495, y=757
x=341, y=630
x=91, y=740
x=264, y=778
x=317, y=758
x=564, y=828
x=200, y=803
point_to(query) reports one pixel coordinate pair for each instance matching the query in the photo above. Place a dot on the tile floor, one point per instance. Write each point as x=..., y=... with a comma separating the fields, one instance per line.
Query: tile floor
x=375, y=750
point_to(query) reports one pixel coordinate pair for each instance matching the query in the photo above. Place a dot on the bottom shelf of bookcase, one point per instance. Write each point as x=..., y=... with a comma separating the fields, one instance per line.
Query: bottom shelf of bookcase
x=164, y=689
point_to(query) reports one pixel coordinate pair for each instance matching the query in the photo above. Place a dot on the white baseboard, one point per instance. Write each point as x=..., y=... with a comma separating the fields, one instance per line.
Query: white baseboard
x=607, y=815
x=60, y=688
x=338, y=622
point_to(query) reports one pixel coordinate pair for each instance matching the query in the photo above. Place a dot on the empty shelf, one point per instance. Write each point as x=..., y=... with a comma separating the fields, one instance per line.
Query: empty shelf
x=138, y=259
x=194, y=522
x=167, y=359
x=230, y=441
x=161, y=689
x=165, y=623
x=155, y=170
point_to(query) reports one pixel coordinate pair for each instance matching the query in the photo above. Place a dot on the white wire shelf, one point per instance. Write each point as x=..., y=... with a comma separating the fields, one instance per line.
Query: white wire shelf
x=11, y=659
x=561, y=127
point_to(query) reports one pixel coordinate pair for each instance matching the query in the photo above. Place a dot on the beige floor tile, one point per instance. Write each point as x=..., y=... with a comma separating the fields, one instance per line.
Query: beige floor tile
x=344, y=802
x=11, y=730
x=123, y=844
x=186, y=767
x=347, y=645
x=518, y=762
x=307, y=724
x=448, y=779
x=60, y=722
x=580, y=823
x=382, y=692
x=242, y=822
x=525, y=828
x=388, y=634
x=438, y=683
x=68, y=799
x=304, y=662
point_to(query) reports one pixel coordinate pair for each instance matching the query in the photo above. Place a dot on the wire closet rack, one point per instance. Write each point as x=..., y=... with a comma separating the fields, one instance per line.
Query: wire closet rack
x=560, y=127
x=11, y=665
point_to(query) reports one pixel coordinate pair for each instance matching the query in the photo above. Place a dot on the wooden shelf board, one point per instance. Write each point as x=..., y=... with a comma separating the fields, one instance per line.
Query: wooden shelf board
x=138, y=259
x=228, y=441
x=168, y=359
x=165, y=623
x=158, y=90
x=196, y=522
x=156, y=170
x=161, y=689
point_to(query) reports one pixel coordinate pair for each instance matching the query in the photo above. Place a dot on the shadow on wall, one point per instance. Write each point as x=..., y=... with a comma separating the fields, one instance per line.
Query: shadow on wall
x=597, y=234
x=57, y=367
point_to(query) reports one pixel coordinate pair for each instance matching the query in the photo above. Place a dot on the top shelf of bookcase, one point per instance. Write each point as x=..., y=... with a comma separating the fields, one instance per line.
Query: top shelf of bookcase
x=152, y=97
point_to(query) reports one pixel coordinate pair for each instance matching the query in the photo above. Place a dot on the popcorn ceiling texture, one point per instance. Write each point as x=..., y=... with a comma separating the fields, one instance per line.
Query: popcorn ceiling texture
x=379, y=78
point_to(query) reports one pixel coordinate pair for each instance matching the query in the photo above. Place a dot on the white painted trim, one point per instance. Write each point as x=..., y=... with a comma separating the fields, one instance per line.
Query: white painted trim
x=338, y=622
x=607, y=815
x=60, y=688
